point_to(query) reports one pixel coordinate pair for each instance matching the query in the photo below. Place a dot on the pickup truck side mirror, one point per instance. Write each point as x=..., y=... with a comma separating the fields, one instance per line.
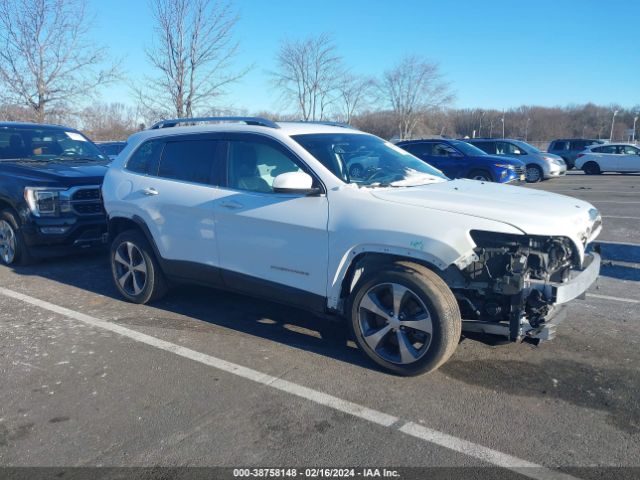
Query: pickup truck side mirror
x=296, y=183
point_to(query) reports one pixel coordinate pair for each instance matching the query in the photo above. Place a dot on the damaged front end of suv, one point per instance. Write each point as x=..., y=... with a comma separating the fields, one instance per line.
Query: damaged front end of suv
x=516, y=286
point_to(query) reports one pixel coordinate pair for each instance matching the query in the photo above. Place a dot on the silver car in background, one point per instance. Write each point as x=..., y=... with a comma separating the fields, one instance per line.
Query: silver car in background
x=540, y=166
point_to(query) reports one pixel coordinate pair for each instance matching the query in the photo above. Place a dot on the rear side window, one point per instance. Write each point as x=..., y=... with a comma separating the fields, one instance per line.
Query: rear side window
x=145, y=158
x=560, y=145
x=419, y=149
x=506, y=148
x=579, y=145
x=489, y=147
x=190, y=160
x=605, y=149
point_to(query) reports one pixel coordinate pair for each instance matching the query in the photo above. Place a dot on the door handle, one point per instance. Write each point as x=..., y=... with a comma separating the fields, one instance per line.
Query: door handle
x=231, y=204
x=150, y=191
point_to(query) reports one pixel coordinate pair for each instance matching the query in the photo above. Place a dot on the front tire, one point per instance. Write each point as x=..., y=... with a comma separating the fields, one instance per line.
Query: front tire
x=13, y=248
x=135, y=269
x=534, y=174
x=591, y=168
x=405, y=318
x=481, y=175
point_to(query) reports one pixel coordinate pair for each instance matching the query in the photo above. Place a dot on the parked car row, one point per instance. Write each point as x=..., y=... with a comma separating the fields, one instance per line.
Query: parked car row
x=319, y=216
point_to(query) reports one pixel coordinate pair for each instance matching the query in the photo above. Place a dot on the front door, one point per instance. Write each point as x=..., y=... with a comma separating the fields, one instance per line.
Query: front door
x=272, y=244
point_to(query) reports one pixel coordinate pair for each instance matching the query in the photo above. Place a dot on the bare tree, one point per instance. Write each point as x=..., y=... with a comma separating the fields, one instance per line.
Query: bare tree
x=108, y=121
x=411, y=88
x=353, y=93
x=192, y=55
x=308, y=74
x=46, y=59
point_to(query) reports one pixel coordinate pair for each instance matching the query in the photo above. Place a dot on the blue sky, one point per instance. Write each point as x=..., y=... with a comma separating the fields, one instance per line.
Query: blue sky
x=495, y=54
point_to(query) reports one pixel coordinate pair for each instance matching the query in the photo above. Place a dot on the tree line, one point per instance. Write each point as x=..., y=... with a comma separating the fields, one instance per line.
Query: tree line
x=51, y=71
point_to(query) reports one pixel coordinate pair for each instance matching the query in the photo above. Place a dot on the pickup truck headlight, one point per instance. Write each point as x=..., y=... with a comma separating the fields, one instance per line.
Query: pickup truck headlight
x=43, y=201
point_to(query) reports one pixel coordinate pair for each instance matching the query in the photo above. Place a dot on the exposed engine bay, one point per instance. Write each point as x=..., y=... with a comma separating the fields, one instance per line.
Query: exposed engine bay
x=505, y=281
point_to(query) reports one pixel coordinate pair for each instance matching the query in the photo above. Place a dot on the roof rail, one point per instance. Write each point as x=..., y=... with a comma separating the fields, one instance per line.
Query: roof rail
x=263, y=122
x=322, y=122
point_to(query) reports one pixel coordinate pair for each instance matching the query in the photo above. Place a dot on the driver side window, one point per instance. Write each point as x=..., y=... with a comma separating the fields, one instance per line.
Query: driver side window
x=443, y=150
x=253, y=166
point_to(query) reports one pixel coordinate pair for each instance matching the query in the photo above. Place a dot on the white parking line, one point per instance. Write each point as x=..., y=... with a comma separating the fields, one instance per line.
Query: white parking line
x=616, y=216
x=435, y=437
x=616, y=299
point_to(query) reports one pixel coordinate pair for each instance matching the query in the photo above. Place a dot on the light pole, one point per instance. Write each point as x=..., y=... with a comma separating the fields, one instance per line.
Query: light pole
x=633, y=134
x=613, y=121
x=526, y=129
x=502, y=123
x=480, y=127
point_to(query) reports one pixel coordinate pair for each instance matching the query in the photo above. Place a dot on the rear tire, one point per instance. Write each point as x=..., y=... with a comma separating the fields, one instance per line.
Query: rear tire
x=591, y=168
x=135, y=269
x=481, y=175
x=13, y=248
x=405, y=318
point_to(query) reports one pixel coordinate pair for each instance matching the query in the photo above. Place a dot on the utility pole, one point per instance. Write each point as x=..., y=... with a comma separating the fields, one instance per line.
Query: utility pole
x=613, y=121
x=526, y=129
x=502, y=123
x=480, y=127
x=633, y=135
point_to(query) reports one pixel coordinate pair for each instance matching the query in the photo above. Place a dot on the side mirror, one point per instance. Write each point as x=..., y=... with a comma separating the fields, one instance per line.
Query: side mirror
x=294, y=182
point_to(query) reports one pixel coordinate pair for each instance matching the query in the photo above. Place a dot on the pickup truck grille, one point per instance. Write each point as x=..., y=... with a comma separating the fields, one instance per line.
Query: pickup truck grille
x=86, y=194
x=520, y=171
x=87, y=201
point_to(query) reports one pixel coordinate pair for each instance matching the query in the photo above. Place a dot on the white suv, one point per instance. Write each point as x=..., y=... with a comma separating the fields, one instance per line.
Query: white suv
x=407, y=256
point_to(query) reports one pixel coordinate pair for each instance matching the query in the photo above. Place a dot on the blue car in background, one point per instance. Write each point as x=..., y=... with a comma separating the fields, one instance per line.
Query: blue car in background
x=458, y=159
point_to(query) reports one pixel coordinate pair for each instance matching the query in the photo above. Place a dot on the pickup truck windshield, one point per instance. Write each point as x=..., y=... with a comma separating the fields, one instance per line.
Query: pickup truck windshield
x=367, y=160
x=46, y=144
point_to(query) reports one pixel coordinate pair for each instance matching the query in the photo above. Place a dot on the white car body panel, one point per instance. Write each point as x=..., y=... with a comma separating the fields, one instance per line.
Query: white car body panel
x=308, y=242
x=610, y=162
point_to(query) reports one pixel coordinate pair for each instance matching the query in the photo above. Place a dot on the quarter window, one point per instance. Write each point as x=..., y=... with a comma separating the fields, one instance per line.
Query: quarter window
x=189, y=160
x=253, y=166
x=561, y=145
x=145, y=158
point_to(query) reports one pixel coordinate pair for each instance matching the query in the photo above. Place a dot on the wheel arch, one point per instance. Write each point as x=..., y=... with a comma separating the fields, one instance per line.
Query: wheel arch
x=119, y=224
x=369, y=258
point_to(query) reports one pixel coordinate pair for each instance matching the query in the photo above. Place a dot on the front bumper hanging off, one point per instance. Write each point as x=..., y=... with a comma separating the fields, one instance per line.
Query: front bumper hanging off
x=557, y=294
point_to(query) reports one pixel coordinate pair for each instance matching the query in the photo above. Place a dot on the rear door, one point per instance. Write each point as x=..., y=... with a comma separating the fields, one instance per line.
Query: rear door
x=607, y=157
x=176, y=198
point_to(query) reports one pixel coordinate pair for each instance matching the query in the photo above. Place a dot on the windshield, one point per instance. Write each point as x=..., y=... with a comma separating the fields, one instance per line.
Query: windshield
x=467, y=148
x=367, y=160
x=46, y=144
x=526, y=147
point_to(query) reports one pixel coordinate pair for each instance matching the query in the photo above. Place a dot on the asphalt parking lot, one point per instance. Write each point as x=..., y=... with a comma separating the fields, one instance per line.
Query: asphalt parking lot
x=208, y=378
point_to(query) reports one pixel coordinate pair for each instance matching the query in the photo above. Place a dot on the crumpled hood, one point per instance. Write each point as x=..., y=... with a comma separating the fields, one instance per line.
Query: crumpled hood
x=534, y=212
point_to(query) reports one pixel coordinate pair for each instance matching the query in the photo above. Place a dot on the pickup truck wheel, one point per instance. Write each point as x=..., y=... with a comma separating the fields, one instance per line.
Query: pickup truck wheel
x=136, y=271
x=534, y=174
x=405, y=318
x=13, y=248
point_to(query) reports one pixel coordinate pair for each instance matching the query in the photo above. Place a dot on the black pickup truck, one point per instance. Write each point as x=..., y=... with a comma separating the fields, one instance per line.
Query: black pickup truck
x=50, y=197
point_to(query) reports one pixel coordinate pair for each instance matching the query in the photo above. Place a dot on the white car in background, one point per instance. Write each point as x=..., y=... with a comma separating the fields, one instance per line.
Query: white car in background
x=612, y=157
x=407, y=256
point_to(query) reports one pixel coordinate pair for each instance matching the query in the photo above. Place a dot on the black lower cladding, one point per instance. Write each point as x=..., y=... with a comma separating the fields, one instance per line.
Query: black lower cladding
x=47, y=237
x=197, y=273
